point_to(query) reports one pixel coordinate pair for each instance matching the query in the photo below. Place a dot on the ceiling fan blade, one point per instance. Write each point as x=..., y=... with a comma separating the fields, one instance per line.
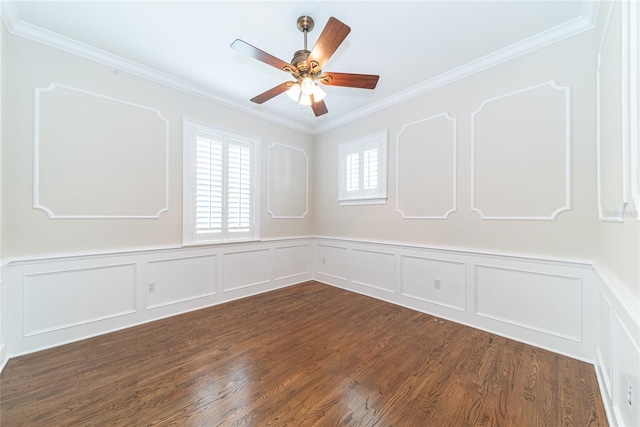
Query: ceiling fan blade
x=361, y=81
x=260, y=55
x=274, y=91
x=319, y=107
x=331, y=37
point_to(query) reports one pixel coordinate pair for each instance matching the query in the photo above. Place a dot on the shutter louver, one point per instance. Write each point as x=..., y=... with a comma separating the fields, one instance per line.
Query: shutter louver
x=239, y=187
x=353, y=172
x=370, y=169
x=209, y=184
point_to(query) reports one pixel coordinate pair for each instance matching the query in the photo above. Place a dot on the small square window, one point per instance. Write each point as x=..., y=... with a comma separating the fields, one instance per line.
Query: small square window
x=363, y=170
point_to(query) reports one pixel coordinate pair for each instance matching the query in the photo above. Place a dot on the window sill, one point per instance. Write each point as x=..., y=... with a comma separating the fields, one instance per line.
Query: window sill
x=363, y=201
x=218, y=242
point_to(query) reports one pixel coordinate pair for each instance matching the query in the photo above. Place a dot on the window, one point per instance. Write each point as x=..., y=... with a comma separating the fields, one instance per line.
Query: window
x=220, y=185
x=363, y=170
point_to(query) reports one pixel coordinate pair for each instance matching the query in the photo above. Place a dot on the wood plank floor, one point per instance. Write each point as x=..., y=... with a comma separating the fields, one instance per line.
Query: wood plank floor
x=309, y=354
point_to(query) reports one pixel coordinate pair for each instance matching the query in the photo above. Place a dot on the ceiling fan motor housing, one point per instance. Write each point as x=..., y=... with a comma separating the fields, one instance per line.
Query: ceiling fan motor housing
x=300, y=60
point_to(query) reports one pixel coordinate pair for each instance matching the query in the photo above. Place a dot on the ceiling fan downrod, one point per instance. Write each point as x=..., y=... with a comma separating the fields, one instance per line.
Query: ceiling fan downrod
x=299, y=61
x=305, y=24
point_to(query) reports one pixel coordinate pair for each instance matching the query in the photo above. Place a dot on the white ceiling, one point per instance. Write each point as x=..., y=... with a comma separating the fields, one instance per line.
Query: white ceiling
x=413, y=45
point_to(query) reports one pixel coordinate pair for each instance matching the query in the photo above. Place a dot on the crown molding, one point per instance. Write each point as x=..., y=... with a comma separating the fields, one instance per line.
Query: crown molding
x=540, y=40
x=49, y=38
x=9, y=13
x=11, y=17
x=590, y=10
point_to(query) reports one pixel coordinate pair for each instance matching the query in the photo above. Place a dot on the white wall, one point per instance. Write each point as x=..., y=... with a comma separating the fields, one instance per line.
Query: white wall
x=3, y=348
x=138, y=113
x=618, y=259
x=524, y=138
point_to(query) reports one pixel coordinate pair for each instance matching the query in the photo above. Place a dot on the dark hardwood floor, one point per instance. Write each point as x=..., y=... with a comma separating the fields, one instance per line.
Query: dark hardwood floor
x=309, y=354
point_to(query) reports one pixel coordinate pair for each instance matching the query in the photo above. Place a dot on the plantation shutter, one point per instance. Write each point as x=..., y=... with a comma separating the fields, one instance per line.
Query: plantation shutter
x=362, y=170
x=223, y=187
x=361, y=174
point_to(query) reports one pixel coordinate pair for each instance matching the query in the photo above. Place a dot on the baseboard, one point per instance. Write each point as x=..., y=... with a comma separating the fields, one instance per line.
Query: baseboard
x=4, y=357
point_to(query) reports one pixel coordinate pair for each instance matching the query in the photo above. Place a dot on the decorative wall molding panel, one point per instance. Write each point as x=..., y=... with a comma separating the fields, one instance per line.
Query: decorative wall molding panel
x=634, y=109
x=528, y=177
x=435, y=281
x=170, y=281
x=426, y=168
x=83, y=164
x=337, y=266
x=50, y=297
x=613, y=115
x=287, y=195
x=496, y=293
x=292, y=261
x=60, y=300
x=617, y=349
x=373, y=269
x=529, y=305
x=246, y=268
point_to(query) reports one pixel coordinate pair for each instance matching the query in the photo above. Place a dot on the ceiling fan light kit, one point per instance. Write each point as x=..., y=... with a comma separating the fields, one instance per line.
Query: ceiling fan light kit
x=306, y=67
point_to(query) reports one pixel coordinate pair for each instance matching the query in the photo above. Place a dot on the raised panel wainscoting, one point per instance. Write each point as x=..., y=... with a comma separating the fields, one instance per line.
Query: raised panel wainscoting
x=569, y=307
x=617, y=358
x=546, y=303
x=65, y=299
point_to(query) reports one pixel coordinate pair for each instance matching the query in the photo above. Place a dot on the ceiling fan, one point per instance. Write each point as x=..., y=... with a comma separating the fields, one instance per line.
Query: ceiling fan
x=306, y=67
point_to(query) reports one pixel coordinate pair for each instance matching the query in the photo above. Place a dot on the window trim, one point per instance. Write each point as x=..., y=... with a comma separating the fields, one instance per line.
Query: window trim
x=189, y=126
x=380, y=140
